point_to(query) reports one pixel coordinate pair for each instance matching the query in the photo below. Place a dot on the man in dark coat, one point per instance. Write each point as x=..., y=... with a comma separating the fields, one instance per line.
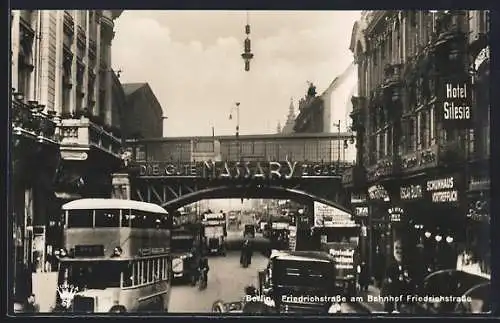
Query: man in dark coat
x=396, y=279
x=364, y=276
x=246, y=251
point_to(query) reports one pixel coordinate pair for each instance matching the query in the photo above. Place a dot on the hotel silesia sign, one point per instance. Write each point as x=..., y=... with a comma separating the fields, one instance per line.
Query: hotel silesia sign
x=239, y=170
x=457, y=105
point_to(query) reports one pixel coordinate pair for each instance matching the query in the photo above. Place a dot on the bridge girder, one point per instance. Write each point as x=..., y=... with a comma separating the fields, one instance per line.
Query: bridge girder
x=164, y=191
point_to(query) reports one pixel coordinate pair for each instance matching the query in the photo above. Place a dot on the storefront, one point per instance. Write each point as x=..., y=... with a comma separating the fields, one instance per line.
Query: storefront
x=476, y=251
x=380, y=238
x=417, y=251
x=32, y=199
x=445, y=218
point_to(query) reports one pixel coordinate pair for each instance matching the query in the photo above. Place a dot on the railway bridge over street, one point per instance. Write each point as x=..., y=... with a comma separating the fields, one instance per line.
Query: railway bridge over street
x=174, y=172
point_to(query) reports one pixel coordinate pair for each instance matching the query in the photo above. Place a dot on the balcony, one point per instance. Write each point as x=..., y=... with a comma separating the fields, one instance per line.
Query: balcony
x=69, y=23
x=384, y=168
x=29, y=121
x=420, y=160
x=449, y=25
x=81, y=37
x=392, y=75
x=78, y=136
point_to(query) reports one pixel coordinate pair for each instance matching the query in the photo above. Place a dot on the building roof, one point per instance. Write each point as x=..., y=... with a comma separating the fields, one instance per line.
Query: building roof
x=130, y=88
x=313, y=256
x=339, y=79
x=106, y=204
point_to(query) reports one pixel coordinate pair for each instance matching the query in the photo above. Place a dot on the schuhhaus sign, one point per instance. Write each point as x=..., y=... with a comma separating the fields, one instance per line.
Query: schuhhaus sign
x=233, y=170
x=443, y=190
x=457, y=110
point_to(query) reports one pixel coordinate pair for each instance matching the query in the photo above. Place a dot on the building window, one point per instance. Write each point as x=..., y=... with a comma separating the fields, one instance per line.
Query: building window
x=91, y=92
x=372, y=149
x=424, y=129
x=389, y=141
x=25, y=59
x=432, y=123
x=79, y=86
x=381, y=145
x=67, y=83
x=410, y=135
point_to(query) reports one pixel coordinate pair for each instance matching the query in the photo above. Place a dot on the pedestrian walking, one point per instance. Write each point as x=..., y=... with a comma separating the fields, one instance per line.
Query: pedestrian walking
x=364, y=277
x=396, y=282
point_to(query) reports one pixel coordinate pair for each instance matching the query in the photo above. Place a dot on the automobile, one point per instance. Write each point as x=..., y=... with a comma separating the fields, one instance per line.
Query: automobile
x=249, y=230
x=182, y=258
x=301, y=282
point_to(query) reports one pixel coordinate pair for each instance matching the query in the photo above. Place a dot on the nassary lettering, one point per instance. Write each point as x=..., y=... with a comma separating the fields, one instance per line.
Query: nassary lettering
x=241, y=170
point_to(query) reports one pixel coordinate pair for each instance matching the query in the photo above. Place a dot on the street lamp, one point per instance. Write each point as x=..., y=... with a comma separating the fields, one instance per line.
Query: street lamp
x=338, y=141
x=237, y=108
x=247, y=54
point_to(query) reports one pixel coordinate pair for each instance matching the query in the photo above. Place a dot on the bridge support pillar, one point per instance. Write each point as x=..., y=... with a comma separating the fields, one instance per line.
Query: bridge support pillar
x=121, y=186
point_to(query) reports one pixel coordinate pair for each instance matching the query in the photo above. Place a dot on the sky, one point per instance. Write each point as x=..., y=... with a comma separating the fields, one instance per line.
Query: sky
x=192, y=61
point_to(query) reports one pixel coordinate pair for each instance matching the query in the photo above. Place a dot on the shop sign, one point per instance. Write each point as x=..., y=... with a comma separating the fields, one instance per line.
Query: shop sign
x=378, y=192
x=361, y=211
x=358, y=198
x=483, y=56
x=457, y=104
x=411, y=192
x=395, y=214
x=479, y=183
x=344, y=257
x=242, y=170
x=443, y=190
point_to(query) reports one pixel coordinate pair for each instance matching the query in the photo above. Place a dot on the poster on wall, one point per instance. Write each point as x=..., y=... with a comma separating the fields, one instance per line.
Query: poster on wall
x=326, y=216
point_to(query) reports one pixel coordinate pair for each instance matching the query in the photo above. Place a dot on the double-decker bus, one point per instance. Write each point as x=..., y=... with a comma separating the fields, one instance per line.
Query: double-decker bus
x=116, y=257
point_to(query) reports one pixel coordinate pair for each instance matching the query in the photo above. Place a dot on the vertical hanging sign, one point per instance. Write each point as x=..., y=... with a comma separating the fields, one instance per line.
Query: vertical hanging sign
x=457, y=110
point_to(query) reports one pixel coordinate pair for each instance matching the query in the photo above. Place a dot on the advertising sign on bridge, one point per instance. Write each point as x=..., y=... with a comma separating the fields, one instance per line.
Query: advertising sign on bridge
x=243, y=170
x=328, y=216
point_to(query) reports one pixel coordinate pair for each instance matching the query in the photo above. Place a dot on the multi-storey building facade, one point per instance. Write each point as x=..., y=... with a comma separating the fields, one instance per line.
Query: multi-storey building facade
x=329, y=113
x=422, y=181
x=65, y=117
x=144, y=114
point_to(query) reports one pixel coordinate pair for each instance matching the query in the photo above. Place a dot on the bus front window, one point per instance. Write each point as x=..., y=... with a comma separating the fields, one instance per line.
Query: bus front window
x=90, y=274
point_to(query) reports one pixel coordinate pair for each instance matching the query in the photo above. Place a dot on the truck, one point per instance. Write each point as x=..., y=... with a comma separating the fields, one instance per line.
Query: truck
x=214, y=231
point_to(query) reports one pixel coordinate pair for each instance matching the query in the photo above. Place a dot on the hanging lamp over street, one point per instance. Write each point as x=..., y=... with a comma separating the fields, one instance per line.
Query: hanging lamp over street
x=247, y=54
